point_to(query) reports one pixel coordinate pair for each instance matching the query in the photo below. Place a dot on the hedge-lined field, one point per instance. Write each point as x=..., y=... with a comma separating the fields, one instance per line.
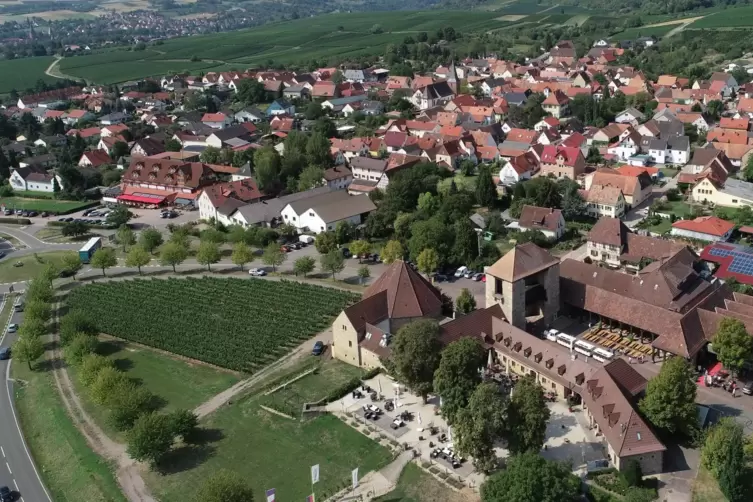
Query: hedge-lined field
x=241, y=324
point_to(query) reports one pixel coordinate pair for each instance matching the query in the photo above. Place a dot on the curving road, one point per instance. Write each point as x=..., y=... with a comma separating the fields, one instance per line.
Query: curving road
x=17, y=469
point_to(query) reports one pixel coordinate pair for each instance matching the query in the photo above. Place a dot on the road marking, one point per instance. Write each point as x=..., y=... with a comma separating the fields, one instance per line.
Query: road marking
x=8, y=466
x=21, y=434
x=2, y=451
x=16, y=485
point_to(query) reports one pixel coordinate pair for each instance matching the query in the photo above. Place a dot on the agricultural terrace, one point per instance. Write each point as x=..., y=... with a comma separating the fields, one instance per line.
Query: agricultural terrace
x=21, y=74
x=728, y=18
x=298, y=41
x=241, y=324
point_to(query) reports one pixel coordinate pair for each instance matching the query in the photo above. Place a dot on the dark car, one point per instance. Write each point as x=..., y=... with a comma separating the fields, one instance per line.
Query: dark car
x=318, y=348
x=4, y=354
x=440, y=278
x=5, y=494
x=346, y=252
x=2, y=255
x=33, y=213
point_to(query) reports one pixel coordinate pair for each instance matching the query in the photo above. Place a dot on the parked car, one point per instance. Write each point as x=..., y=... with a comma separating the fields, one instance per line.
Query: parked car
x=469, y=274
x=257, y=272
x=461, y=271
x=551, y=334
x=285, y=248
x=346, y=252
x=5, y=494
x=440, y=278
x=4, y=354
x=318, y=348
x=44, y=214
x=12, y=328
x=2, y=255
x=8, y=212
x=33, y=214
x=478, y=276
x=748, y=388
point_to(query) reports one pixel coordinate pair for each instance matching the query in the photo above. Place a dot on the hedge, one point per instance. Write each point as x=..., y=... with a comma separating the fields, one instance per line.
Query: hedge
x=88, y=225
x=349, y=386
x=16, y=221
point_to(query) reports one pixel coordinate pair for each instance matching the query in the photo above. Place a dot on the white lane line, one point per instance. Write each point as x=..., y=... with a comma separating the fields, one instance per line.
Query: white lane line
x=2, y=451
x=8, y=466
x=21, y=434
x=16, y=485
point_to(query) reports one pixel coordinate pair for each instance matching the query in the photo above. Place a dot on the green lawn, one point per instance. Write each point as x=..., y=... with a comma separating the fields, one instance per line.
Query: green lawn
x=21, y=74
x=70, y=470
x=668, y=172
x=311, y=388
x=177, y=383
x=416, y=485
x=706, y=488
x=679, y=208
x=664, y=226
x=270, y=451
x=31, y=265
x=55, y=234
x=51, y=206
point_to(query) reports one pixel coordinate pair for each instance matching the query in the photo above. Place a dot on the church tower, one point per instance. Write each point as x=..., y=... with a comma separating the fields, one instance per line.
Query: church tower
x=31, y=29
x=452, y=78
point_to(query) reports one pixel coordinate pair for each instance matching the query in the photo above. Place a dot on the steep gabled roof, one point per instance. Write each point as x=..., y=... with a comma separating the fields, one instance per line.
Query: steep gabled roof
x=408, y=294
x=523, y=260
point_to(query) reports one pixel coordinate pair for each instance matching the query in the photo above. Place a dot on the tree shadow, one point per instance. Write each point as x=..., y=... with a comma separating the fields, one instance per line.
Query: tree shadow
x=560, y=425
x=205, y=436
x=110, y=347
x=124, y=364
x=185, y=458
x=44, y=366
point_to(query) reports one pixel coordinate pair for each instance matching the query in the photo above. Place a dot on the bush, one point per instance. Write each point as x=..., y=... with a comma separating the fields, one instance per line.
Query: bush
x=351, y=385
x=632, y=473
x=131, y=402
x=63, y=223
x=75, y=323
x=184, y=422
x=15, y=221
x=80, y=346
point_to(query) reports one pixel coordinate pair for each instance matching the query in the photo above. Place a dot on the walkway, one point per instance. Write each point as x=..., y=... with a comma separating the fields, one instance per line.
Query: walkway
x=378, y=483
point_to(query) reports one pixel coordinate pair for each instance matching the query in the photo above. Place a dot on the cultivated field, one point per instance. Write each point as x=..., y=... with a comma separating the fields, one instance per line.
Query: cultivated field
x=241, y=324
x=49, y=205
x=738, y=17
x=270, y=451
x=21, y=74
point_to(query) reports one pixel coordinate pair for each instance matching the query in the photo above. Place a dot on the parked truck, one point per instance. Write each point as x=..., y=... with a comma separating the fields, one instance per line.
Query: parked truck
x=86, y=252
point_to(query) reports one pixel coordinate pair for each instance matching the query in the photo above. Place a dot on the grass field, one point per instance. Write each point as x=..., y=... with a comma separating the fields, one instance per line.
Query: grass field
x=242, y=324
x=643, y=31
x=416, y=485
x=706, y=488
x=21, y=74
x=270, y=451
x=69, y=468
x=291, y=399
x=177, y=383
x=32, y=265
x=49, y=205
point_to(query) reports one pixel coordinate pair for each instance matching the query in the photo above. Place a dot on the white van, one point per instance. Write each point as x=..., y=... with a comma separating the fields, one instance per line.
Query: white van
x=307, y=239
x=551, y=334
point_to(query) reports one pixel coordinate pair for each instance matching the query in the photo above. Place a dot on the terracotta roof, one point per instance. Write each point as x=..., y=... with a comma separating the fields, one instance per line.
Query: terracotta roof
x=540, y=218
x=522, y=135
x=521, y=261
x=214, y=117
x=557, y=98
x=627, y=184
x=407, y=293
x=626, y=377
x=97, y=157
x=569, y=154
x=731, y=123
x=167, y=172
x=603, y=194
x=709, y=225
x=226, y=197
x=623, y=427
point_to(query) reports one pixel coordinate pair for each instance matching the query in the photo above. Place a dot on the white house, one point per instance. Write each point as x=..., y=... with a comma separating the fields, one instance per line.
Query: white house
x=216, y=120
x=518, y=168
x=628, y=146
x=338, y=177
x=657, y=150
x=705, y=228
x=250, y=114
x=629, y=116
x=604, y=200
x=546, y=220
x=34, y=178
x=323, y=212
x=436, y=94
x=678, y=150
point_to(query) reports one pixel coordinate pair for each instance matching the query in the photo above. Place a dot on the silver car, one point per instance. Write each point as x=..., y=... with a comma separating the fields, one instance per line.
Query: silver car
x=12, y=328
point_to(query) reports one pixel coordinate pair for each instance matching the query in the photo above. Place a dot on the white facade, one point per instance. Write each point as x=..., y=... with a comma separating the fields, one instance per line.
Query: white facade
x=311, y=220
x=658, y=156
x=681, y=232
x=677, y=157
x=509, y=176
x=18, y=183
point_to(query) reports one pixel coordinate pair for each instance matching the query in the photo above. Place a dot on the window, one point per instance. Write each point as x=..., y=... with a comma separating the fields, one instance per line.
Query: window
x=554, y=385
x=311, y=213
x=350, y=343
x=594, y=252
x=345, y=328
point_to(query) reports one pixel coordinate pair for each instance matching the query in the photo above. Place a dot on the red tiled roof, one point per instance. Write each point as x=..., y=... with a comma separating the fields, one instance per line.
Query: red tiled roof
x=408, y=294
x=709, y=225
x=551, y=152
x=97, y=157
x=214, y=117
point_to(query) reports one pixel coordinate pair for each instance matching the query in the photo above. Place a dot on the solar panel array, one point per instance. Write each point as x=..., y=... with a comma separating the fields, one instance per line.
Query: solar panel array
x=742, y=259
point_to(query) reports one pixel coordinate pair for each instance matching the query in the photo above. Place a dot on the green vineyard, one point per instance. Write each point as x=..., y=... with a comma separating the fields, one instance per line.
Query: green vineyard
x=241, y=324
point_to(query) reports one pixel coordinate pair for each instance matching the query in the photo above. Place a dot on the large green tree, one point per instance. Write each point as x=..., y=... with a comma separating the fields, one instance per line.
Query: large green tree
x=458, y=375
x=104, y=258
x=428, y=261
x=480, y=424
x=273, y=256
x=151, y=438
x=724, y=456
x=416, y=354
x=172, y=254
x=465, y=303
x=465, y=248
x=332, y=262
x=150, y=239
x=529, y=477
x=528, y=415
x=732, y=344
x=669, y=403
x=392, y=251
x=208, y=253
x=486, y=192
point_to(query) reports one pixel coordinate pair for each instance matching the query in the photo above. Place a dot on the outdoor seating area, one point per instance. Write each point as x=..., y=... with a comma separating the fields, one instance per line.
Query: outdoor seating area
x=618, y=342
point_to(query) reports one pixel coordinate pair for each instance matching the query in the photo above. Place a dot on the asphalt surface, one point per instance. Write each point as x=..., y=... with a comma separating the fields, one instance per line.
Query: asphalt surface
x=19, y=472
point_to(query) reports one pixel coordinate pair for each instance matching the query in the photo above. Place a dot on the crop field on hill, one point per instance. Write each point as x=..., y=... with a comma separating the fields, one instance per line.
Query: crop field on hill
x=22, y=73
x=241, y=324
x=728, y=18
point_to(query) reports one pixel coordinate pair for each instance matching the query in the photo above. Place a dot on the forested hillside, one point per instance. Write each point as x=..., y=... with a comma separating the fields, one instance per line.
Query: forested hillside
x=650, y=6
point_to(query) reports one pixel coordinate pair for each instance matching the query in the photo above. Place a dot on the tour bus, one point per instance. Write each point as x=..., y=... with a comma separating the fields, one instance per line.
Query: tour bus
x=603, y=355
x=584, y=348
x=565, y=340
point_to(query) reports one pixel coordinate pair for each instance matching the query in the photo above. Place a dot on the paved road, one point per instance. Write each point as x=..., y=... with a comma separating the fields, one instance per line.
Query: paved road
x=19, y=472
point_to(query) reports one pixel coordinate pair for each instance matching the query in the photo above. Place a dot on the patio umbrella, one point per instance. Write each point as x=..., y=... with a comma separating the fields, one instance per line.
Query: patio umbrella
x=419, y=418
x=379, y=385
x=449, y=434
x=490, y=361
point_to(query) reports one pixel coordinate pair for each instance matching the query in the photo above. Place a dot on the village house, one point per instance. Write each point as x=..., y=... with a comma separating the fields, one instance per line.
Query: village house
x=94, y=158
x=34, y=178
x=705, y=228
x=338, y=177
x=604, y=200
x=218, y=201
x=635, y=189
x=216, y=120
x=368, y=174
x=432, y=95
x=612, y=243
x=249, y=114
x=562, y=162
x=728, y=193
x=323, y=212
x=154, y=182
x=543, y=219
x=280, y=107
x=267, y=213
x=518, y=168
x=557, y=104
